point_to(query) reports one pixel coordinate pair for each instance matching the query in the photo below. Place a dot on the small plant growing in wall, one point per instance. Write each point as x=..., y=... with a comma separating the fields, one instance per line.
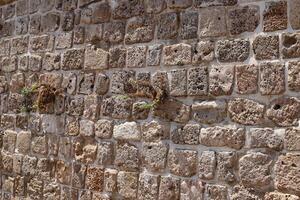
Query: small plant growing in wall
x=38, y=97
x=158, y=95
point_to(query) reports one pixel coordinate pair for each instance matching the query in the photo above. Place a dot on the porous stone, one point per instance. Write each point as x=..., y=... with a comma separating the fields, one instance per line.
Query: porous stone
x=284, y=111
x=85, y=83
x=118, y=107
x=236, y=50
x=246, y=79
x=84, y=149
x=219, y=136
x=178, y=54
x=110, y=180
x=154, y=55
x=188, y=25
x=73, y=59
x=209, y=112
x=227, y=166
x=127, y=9
x=208, y=3
x=51, y=61
x=291, y=139
x=291, y=45
x=265, y=138
x=127, y=131
x=148, y=186
x=183, y=162
x=203, y=52
x=294, y=14
x=178, y=82
x=169, y=188
x=64, y=40
x=91, y=109
x=104, y=128
x=128, y=184
x=136, y=57
x=279, y=196
x=167, y=25
x=127, y=157
x=140, y=110
x=21, y=25
x=117, y=57
x=287, y=175
x=191, y=190
x=154, y=156
x=140, y=30
x=105, y=155
x=39, y=145
x=266, y=47
x=272, y=78
x=95, y=58
x=243, y=19
x=41, y=43
x=212, y=25
x=221, y=80
x=50, y=22
x=188, y=134
x=275, y=16
x=94, y=178
x=255, y=170
x=240, y=192
x=23, y=142
x=246, y=111
x=121, y=82
x=294, y=76
x=19, y=45
x=207, y=163
x=216, y=192
x=114, y=32
x=173, y=110
x=197, y=81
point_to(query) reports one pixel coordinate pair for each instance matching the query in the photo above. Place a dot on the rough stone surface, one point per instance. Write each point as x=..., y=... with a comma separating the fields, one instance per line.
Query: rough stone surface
x=179, y=54
x=283, y=111
x=266, y=47
x=232, y=50
x=246, y=79
x=265, y=138
x=286, y=173
x=221, y=80
x=246, y=111
x=291, y=139
x=275, y=16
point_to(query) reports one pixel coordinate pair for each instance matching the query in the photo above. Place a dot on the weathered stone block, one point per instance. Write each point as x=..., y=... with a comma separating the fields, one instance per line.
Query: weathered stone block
x=127, y=9
x=246, y=111
x=227, y=166
x=209, y=112
x=222, y=137
x=70, y=82
x=104, y=128
x=95, y=58
x=233, y=50
x=155, y=6
x=188, y=25
x=148, y=186
x=291, y=139
x=155, y=156
x=197, y=80
x=287, y=175
x=105, y=155
x=21, y=25
x=154, y=55
x=279, y=195
x=128, y=184
x=183, y=162
x=294, y=14
x=167, y=26
x=94, y=178
x=284, y=111
x=117, y=57
x=246, y=79
x=41, y=43
x=140, y=30
x=208, y=3
x=127, y=157
x=78, y=176
x=73, y=59
x=169, y=188
x=110, y=180
x=207, y=163
x=67, y=23
x=64, y=40
x=114, y=32
x=275, y=16
x=212, y=25
x=136, y=57
x=50, y=22
x=84, y=149
x=216, y=192
x=19, y=45
x=129, y=131
x=39, y=145
x=265, y=138
x=221, y=80
x=266, y=47
x=294, y=76
x=178, y=82
x=178, y=54
x=121, y=82
x=291, y=45
x=255, y=172
x=203, y=52
x=243, y=19
x=188, y=134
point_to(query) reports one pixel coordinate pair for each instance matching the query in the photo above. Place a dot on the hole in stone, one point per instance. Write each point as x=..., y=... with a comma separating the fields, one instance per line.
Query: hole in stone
x=289, y=41
x=276, y=107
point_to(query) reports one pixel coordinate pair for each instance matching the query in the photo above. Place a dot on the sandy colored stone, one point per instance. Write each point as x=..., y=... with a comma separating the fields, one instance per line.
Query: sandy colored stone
x=246, y=79
x=272, y=78
x=207, y=165
x=95, y=58
x=127, y=131
x=178, y=54
x=275, y=16
x=292, y=139
x=246, y=111
x=127, y=184
x=221, y=80
x=265, y=138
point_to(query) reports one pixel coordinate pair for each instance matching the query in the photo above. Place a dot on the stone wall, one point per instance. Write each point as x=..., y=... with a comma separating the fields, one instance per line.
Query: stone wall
x=150, y=100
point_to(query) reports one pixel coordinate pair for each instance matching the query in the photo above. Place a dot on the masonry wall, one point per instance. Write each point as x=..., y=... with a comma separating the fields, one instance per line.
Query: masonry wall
x=153, y=99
